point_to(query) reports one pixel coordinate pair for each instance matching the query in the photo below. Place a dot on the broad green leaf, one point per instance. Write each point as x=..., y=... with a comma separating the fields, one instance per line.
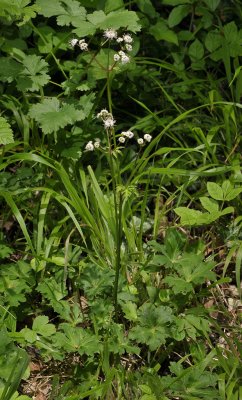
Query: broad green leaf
x=111, y=5
x=196, y=50
x=160, y=31
x=41, y=325
x=6, y=133
x=152, y=329
x=50, y=8
x=75, y=339
x=215, y=191
x=178, y=14
x=192, y=217
x=34, y=75
x=178, y=285
x=72, y=13
x=147, y=7
x=212, y=4
x=213, y=41
x=84, y=28
x=9, y=69
x=52, y=116
x=209, y=204
x=229, y=191
x=29, y=335
x=130, y=310
x=231, y=32
x=119, y=19
x=5, y=251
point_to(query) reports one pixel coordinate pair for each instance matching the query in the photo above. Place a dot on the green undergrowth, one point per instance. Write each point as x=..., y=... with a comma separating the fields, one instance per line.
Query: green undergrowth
x=120, y=191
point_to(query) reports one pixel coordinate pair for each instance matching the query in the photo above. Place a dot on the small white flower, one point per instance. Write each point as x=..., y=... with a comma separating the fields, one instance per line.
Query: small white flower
x=89, y=146
x=128, y=47
x=116, y=57
x=147, y=137
x=121, y=53
x=73, y=42
x=125, y=59
x=97, y=144
x=109, y=122
x=119, y=40
x=110, y=34
x=103, y=113
x=140, y=141
x=121, y=139
x=127, y=38
x=83, y=45
x=129, y=134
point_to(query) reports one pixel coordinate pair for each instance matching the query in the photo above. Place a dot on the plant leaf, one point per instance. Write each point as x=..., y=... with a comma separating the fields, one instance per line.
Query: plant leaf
x=178, y=14
x=6, y=133
x=52, y=116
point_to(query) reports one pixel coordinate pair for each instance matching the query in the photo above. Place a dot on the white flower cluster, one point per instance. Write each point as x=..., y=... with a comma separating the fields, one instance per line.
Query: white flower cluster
x=90, y=146
x=109, y=122
x=125, y=135
x=107, y=118
x=125, y=42
x=81, y=43
x=147, y=138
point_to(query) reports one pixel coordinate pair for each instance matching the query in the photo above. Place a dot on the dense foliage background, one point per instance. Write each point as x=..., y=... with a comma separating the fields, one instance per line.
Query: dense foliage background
x=121, y=241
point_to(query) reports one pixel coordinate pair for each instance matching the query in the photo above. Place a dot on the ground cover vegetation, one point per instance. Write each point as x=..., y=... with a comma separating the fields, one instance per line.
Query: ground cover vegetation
x=121, y=220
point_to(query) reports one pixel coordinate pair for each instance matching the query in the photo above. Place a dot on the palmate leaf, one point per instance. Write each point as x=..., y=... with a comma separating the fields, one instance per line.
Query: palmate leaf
x=52, y=116
x=67, y=11
x=6, y=133
x=18, y=9
x=34, y=75
x=118, y=19
x=76, y=339
x=9, y=69
x=153, y=328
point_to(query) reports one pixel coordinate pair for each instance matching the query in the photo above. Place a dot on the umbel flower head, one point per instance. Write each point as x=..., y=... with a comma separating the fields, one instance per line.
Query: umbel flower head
x=73, y=42
x=110, y=34
x=89, y=146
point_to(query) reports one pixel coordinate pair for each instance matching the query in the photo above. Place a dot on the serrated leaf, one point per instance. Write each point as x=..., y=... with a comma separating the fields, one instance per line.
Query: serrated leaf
x=73, y=13
x=6, y=133
x=5, y=251
x=152, y=329
x=49, y=8
x=160, y=31
x=52, y=116
x=130, y=310
x=29, y=335
x=111, y=5
x=231, y=32
x=215, y=191
x=9, y=69
x=178, y=14
x=34, y=75
x=209, y=204
x=119, y=19
x=178, y=285
x=147, y=7
x=192, y=217
x=75, y=339
x=213, y=41
x=41, y=325
x=84, y=28
x=212, y=4
x=196, y=50
x=229, y=192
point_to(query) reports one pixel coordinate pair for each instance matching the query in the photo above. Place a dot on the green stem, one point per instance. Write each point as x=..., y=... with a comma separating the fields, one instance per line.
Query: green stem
x=118, y=256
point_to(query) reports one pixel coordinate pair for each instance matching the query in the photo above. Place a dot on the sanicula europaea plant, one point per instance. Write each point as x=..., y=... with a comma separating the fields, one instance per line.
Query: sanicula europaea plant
x=121, y=224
